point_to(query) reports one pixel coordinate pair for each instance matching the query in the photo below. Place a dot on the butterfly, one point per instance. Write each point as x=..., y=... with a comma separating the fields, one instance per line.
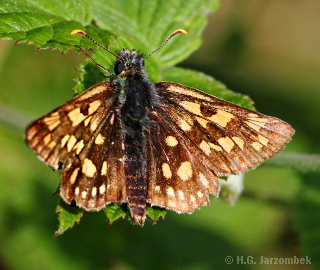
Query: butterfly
x=131, y=141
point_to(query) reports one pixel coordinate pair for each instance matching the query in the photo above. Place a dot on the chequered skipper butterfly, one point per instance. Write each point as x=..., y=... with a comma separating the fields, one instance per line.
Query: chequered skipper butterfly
x=131, y=141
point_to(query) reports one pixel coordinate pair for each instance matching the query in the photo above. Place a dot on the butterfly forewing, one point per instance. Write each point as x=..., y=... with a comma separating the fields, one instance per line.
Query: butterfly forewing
x=83, y=134
x=231, y=139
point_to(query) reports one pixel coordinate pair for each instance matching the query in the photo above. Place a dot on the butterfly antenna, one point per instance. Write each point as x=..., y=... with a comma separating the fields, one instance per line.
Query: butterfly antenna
x=84, y=34
x=178, y=31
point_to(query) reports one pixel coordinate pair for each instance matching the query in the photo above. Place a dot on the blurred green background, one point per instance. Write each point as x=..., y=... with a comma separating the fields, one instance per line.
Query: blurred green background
x=268, y=50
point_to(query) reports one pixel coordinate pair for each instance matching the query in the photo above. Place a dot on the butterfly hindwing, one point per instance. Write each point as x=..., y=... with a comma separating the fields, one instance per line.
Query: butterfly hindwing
x=177, y=179
x=96, y=178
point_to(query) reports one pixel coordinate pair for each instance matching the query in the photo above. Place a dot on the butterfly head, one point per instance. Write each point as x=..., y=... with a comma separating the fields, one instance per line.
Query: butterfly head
x=128, y=62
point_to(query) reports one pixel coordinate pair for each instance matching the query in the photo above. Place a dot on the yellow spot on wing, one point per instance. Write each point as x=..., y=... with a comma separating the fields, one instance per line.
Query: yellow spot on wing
x=94, y=192
x=99, y=139
x=184, y=125
x=64, y=140
x=202, y=121
x=215, y=147
x=171, y=141
x=191, y=107
x=254, y=126
x=83, y=194
x=185, y=171
x=93, y=106
x=47, y=139
x=52, y=121
x=204, y=181
x=88, y=168
x=76, y=117
x=226, y=143
x=221, y=118
x=238, y=141
x=87, y=121
x=78, y=147
x=188, y=91
x=256, y=146
x=263, y=140
x=170, y=192
x=104, y=168
x=102, y=189
x=205, y=147
x=74, y=175
x=166, y=170
x=71, y=142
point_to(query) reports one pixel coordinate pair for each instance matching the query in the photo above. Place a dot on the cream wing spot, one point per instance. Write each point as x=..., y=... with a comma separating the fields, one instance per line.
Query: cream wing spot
x=187, y=91
x=74, y=175
x=77, y=191
x=93, y=106
x=52, y=121
x=184, y=125
x=166, y=171
x=204, y=181
x=226, y=143
x=254, y=126
x=102, y=189
x=83, y=194
x=76, y=117
x=87, y=121
x=215, y=147
x=47, y=139
x=192, y=107
x=202, y=121
x=94, y=191
x=157, y=189
x=205, y=147
x=256, y=146
x=221, y=118
x=64, y=140
x=104, y=168
x=180, y=194
x=170, y=192
x=52, y=144
x=200, y=194
x=239, y=142
x=71, y=142
x=99, y=139
x=171, y=141
x=185, y=171
x=263, y=140
x=88, y=168
x=78, y=147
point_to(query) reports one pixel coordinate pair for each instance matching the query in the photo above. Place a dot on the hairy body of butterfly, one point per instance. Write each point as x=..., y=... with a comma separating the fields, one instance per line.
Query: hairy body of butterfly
x=132, y=141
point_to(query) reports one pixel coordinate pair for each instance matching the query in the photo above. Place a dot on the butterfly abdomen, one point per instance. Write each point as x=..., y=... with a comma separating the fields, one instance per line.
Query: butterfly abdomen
x=133, y=118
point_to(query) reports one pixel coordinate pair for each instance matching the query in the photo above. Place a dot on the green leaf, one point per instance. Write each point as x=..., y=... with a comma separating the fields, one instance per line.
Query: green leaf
x=155, y=212
x=115, y=211
x=68, y=215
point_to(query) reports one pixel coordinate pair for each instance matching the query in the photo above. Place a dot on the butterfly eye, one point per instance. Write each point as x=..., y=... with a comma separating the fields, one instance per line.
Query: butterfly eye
x=119, y=67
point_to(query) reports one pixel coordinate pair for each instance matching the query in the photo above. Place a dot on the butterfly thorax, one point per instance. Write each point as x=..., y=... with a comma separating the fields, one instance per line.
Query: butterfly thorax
x=134, y=101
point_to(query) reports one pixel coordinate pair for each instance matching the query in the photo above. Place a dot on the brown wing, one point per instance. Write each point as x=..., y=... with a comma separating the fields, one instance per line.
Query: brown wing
x=83, y=134
x=200, y=137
